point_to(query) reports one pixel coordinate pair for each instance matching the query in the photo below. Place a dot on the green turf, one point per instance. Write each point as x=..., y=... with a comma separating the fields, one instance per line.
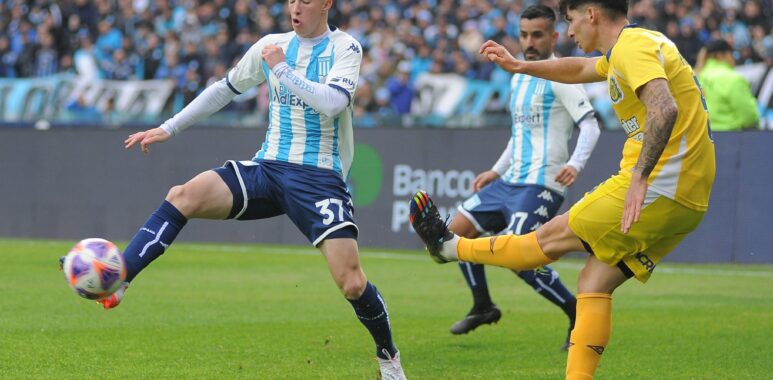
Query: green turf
x=248, y=311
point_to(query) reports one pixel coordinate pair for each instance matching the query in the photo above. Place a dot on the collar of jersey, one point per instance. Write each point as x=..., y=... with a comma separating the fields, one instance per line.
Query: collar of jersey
x=317, y=39
x=609, y=52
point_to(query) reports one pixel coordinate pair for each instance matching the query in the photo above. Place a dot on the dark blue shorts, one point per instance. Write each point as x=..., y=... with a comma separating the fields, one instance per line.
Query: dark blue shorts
x=316, y=200
x=502, y=207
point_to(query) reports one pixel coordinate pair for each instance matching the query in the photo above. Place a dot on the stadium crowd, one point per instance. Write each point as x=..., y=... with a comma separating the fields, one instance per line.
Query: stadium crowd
x=196, y=41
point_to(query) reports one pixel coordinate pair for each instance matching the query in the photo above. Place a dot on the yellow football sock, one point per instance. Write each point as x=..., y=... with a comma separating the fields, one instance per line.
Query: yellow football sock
x=519, y=252
x=590, y=335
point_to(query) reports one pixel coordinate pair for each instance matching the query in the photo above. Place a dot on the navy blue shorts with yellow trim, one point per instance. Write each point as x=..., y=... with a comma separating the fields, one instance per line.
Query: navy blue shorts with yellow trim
x=316, y=200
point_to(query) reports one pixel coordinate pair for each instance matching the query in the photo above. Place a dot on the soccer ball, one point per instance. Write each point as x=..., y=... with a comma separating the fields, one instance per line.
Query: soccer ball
x=94, y=268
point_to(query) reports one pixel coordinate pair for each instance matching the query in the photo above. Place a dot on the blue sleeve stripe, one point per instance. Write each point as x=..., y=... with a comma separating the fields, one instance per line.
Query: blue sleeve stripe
x=587, y=114
x=228, y=82
x=339, y=88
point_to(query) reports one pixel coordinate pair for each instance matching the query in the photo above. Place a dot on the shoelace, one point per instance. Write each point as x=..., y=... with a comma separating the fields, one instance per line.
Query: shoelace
x=446, y=223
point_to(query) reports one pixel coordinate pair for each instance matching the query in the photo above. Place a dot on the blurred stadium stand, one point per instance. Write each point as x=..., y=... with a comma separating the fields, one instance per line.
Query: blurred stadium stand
x=117, y=62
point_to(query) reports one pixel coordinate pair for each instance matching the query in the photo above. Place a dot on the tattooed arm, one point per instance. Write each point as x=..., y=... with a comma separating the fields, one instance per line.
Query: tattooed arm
x=661, y=116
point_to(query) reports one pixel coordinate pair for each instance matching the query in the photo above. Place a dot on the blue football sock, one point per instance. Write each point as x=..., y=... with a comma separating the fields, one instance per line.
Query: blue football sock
x=371, y=310
x=475, y=274
x=546, y=282
x=153, y=238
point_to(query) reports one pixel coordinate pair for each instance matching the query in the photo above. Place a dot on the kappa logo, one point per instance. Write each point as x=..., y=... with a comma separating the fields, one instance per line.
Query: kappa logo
x=542, y=211
x=353, y=47
x=535, y=226
x=546, y=195
x=599, y=349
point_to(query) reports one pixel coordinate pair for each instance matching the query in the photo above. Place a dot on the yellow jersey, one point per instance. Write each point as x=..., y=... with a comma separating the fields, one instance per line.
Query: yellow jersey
x=685, y=170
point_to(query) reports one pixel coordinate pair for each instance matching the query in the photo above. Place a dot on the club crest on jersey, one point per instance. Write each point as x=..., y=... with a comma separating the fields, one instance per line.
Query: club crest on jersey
x=615, y=93
x=323, y=66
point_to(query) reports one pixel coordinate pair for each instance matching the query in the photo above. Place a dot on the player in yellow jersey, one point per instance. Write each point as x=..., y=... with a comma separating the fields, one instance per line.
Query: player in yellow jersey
x=631, y=221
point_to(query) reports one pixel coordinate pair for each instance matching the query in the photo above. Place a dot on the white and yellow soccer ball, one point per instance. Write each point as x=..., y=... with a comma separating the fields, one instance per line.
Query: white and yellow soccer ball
x=94, y=268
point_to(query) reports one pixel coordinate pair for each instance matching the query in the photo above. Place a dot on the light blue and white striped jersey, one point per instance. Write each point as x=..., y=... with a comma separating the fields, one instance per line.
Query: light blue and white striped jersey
x=297, y=133
x=543, y=115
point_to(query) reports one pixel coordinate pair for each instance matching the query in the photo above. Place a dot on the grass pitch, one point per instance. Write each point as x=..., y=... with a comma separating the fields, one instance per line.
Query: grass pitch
x=268, y=312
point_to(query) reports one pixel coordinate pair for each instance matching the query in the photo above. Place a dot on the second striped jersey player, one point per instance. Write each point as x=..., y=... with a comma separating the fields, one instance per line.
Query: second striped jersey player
x=526, y=186
x=544, y=114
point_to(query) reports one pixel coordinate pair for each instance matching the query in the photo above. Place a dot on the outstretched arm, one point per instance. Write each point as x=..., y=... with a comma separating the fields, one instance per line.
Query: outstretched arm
x=211, y=100
x=661, y=117
x=565, y=70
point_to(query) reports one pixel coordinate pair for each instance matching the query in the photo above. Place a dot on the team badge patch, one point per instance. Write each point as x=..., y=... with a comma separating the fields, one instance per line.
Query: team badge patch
x=323, y=66
x=615, y=93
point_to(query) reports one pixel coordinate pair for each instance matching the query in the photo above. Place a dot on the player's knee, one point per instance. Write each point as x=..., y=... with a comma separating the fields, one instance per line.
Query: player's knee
x=181, y=198
x=176, y=193
x=591, y=282
x=352, y=286
x=556, y=238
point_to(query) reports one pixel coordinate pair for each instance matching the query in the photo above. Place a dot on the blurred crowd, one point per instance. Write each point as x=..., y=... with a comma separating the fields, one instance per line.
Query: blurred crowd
x=196, y=41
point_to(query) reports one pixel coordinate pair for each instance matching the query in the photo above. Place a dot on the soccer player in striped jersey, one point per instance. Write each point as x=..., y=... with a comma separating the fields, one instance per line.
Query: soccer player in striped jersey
x=526, y=186
x=300, y=169
x=634, y=219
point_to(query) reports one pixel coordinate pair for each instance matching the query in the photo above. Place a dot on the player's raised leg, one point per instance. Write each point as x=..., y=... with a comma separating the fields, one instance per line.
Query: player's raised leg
x=483, y=311
x=205, y=196
x=521, y=252
x=369, y=306
x=517, y=252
